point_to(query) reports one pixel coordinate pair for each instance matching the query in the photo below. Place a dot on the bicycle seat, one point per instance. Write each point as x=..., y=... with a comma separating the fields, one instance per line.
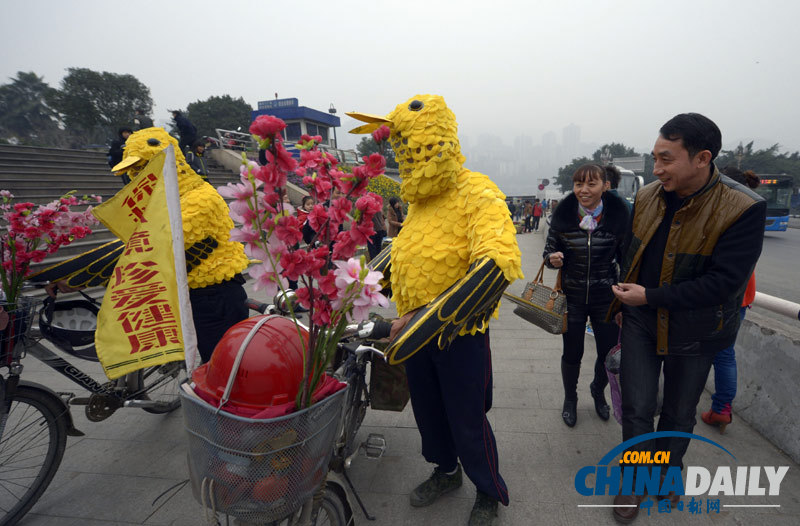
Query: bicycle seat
x=70, y=326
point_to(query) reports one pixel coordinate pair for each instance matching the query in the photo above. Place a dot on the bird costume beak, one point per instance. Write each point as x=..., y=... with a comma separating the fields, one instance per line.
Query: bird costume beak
x=374, y=121
x=125, y=164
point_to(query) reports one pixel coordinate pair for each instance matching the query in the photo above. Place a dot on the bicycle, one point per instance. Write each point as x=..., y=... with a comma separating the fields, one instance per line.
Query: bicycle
x=35, y=420
x=330, y=504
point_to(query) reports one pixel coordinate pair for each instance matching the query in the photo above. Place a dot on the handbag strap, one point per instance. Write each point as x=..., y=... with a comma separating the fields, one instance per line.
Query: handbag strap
x=558, y=281
x=540, y=275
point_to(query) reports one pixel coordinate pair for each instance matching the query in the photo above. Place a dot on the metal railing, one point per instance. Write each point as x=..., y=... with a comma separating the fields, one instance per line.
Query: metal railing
x=234, y=140
x=777, y=305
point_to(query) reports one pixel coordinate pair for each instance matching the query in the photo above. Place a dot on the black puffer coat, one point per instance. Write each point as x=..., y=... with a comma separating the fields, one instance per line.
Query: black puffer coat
x=590, y=260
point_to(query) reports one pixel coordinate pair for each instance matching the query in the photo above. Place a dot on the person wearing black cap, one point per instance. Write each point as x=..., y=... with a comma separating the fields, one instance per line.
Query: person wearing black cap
x=196, y=159
x=115, y=151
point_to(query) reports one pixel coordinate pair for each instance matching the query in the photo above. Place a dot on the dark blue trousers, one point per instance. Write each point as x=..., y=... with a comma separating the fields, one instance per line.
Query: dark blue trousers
x=684, y=380
x=451, y=391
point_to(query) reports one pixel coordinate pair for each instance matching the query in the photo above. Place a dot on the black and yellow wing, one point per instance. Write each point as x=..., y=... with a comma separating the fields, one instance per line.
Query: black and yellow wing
x=90, y=269
x=469, y=301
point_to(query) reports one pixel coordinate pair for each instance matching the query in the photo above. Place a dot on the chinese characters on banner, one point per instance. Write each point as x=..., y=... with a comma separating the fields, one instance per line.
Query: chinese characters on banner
x=139, y=324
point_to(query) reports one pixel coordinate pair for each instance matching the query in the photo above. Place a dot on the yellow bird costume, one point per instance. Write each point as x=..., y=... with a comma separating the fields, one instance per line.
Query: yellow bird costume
x=212, y=259
x=451, y=262
x=457, y=250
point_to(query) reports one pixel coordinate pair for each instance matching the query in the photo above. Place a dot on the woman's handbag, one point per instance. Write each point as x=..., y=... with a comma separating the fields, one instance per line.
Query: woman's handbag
x=541, y=305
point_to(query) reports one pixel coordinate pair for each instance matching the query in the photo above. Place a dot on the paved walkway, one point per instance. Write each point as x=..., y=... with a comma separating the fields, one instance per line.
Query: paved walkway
x=121, y=472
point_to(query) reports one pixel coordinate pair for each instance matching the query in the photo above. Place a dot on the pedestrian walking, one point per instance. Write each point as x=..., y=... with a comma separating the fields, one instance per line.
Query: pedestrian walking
x=725, y=360
x=585, y=241
x=695, y=240
x=186, y=130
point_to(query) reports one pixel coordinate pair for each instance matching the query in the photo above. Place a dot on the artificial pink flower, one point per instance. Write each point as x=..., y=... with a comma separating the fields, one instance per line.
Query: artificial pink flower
x=266, y=126
x=339, y=209
x=317, y=260
x=381, y=134
x=322, y=312
x=286, y=162
x=344, y=247
x=361, y=232
x=327, y=285
x=369, y=204
x=303, y=296
x=245, y=234
x=317, y=217
x=347, y=273
x=241, y=191
x=294, y=264
x=271, y=173
x=266, y=279
x=374, y=164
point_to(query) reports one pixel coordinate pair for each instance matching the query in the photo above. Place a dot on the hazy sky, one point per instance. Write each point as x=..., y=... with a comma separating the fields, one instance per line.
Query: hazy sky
x=618, y=69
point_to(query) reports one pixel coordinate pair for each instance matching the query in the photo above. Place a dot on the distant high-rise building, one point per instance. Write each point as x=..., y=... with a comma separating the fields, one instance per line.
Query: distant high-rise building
x=571, y=139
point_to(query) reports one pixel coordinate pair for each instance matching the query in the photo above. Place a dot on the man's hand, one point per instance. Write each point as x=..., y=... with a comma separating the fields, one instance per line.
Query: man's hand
x=62, y=286
x=556, y=259
x=630, y=294
x=399, y=324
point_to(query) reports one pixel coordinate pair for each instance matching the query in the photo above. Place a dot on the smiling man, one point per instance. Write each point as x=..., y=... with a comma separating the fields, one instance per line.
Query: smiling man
x=696, y=236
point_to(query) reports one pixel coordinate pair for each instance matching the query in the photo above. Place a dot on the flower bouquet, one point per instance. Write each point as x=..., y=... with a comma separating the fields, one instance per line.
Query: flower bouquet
x=29, y=233
x=333, y=285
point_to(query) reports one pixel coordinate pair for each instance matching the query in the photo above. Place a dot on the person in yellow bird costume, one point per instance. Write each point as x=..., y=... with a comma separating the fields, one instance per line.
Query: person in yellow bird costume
x=447, y=268
x=213, y=262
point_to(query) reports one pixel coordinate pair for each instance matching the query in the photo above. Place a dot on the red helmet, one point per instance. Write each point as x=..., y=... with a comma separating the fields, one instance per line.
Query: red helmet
x=271, y=368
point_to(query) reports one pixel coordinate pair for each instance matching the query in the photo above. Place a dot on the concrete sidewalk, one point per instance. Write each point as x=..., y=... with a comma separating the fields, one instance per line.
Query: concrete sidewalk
x=121, y=472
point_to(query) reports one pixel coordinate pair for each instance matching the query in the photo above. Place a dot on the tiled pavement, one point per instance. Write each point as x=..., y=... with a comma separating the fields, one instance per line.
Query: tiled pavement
x=122, y=470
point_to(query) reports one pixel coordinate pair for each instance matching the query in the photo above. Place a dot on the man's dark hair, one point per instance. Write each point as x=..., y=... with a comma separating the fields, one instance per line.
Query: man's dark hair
x=696, y=132
x=198, y=142
x=613, y=176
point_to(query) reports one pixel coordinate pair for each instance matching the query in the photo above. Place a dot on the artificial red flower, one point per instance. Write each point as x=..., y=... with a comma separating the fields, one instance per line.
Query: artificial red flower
x=339, y=209
x=288, y=230
x=293, y=263
x=374, y=164
x=344, y=247
x=266, y=126
x=381, y=134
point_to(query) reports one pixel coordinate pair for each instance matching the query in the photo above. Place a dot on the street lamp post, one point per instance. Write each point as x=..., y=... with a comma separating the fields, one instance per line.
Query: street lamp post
x=332, y=111
x=739, y=156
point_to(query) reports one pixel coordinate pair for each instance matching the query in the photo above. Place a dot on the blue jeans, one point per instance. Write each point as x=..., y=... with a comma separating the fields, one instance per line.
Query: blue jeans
x=725, y=378
x=684, y=380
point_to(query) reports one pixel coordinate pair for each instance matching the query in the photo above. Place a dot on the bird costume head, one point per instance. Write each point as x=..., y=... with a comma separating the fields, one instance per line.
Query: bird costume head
x=425, y=141
x=145, y=144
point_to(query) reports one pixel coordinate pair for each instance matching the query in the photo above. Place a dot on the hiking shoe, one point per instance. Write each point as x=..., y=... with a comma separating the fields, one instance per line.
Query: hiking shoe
x=437, y=485
x=484, y=511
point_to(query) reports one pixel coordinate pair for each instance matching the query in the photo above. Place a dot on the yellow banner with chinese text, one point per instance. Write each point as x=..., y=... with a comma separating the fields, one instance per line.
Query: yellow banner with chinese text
x=139, y=321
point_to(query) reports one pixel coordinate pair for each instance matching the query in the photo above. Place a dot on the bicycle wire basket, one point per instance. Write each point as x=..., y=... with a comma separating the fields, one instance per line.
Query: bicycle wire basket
x=259, y=470
x=20, y=320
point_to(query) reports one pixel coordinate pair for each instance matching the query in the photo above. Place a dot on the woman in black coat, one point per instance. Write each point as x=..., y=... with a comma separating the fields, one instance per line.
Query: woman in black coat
x=585, y=240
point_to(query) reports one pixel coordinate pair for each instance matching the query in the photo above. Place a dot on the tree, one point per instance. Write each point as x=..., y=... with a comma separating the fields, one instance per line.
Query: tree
x=25, y=113
x=95, y=104
x=368, y=146
x=219, y=112
x=764, y=161
x=615, y=149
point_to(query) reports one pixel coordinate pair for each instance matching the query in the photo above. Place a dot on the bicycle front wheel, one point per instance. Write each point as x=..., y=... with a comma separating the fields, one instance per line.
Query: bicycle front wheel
x=331, y=511
x=31, y=447
x=160, y=384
